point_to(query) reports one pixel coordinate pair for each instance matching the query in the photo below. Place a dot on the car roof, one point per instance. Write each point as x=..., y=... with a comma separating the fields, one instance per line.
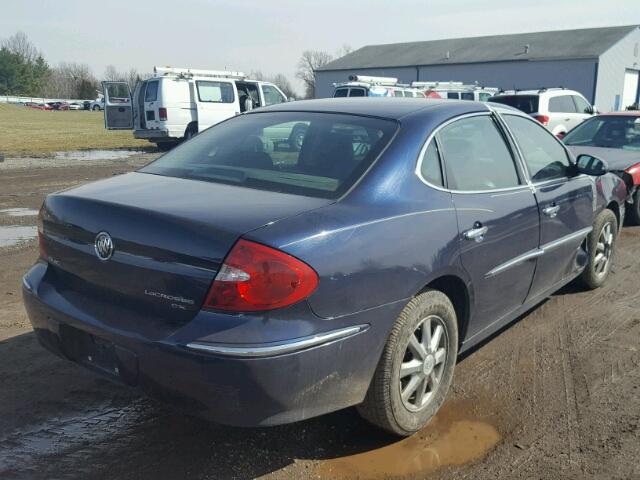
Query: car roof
x=627, y=113
x=392, y=108
x=540, y=91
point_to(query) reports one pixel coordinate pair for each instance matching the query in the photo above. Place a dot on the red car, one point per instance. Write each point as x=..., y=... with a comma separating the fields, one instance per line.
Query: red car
x=615, y=138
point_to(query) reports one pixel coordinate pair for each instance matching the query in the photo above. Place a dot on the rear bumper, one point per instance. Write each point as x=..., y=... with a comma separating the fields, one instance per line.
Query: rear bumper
x=231, y=383
x=164, y=135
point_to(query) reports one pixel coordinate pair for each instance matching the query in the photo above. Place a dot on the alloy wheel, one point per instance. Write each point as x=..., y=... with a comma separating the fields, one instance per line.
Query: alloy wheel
x=604, y=248
x=423, y=363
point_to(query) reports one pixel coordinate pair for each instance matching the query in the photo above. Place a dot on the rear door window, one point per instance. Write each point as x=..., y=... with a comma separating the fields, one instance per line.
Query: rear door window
x=476, y=156
x=562, y=103
x=545, y=157
x=525, y=103
x=431, y=168
x=215, y=92
x=151, y=94
x=467, y=96
x=315, y=154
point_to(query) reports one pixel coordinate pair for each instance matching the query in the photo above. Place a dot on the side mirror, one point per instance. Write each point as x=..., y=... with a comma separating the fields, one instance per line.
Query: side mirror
x=590, y=165
x=590, y=110
x=292, y=99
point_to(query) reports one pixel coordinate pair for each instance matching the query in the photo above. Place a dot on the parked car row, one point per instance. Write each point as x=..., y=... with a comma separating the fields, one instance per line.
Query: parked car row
x=306, y=257
x=61, y=106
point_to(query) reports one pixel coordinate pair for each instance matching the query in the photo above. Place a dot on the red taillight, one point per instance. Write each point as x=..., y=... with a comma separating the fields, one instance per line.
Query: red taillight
x=162, y=113
x=543, y=119
x=41, y=245
x=255, y=277
x=634, y=171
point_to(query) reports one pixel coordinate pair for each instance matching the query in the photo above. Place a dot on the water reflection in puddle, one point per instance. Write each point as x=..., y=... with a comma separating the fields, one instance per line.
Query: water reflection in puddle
x=96, y=154
x=19, y=212
x=449, y=440
x=14, y=234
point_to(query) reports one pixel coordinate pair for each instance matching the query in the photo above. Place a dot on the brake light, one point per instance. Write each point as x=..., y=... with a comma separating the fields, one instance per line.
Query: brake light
x=162, y=113
x=41, y=245
x=634, y=171
x=543, y=119
x=255, y=277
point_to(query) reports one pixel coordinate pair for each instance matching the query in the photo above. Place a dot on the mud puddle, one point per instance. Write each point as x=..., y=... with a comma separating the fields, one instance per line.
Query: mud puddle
x=23, y=447
x=19, y=212
x=452, y=438
x=15, y=234
x=96, y=154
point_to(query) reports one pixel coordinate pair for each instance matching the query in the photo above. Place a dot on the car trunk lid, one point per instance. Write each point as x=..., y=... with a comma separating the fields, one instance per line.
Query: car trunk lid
x=169, y=237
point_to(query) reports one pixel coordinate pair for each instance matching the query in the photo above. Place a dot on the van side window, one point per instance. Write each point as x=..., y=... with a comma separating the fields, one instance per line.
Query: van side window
x=151, y=94
x=215, y=92
x=431, y=169
x=271, y=95
x=453, y=95
x=476, y=156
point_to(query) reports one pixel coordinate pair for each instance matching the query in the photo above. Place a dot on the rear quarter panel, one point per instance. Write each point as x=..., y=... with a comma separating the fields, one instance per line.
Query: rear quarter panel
x=385, y=241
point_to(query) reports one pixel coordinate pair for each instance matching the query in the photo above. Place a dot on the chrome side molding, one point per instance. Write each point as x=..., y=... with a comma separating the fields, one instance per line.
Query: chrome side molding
x=281, y=348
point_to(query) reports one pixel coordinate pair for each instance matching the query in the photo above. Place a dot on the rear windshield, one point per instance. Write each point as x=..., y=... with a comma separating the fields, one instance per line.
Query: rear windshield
x=341, y=92
x=314, y=154
x=151, y=94
x=525, y=103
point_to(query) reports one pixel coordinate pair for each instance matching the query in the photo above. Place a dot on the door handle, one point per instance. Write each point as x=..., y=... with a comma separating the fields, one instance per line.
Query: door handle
x=477, y=233
x=551, y=211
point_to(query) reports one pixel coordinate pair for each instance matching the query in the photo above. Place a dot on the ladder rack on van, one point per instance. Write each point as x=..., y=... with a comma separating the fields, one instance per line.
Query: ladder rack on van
x=190, y=72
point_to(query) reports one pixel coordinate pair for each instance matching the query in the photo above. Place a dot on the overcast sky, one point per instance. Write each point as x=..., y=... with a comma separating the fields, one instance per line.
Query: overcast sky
x=269, y=35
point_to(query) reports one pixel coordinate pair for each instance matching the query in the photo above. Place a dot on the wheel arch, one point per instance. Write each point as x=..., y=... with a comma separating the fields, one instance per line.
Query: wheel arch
x=458, y=291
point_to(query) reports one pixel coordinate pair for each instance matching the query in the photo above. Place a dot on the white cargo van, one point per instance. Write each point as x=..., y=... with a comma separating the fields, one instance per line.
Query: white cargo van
x=456, y=90
x=177, y=103
x=366, y=86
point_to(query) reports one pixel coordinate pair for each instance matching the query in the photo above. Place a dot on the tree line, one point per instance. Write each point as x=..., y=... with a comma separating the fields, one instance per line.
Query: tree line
x=25, y=71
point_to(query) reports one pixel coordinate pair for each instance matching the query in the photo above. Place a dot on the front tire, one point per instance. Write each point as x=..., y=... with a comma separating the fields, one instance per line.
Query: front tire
x=601, y=244
x=416, y=368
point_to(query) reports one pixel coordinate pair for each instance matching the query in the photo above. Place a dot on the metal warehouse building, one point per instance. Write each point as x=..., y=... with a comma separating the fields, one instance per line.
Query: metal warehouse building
x=601, y=63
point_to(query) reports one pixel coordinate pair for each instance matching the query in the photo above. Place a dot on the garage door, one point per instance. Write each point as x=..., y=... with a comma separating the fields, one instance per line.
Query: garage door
x=630, y=91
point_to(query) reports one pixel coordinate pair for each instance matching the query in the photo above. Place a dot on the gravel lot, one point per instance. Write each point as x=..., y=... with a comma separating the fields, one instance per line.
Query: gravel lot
x=555, y=395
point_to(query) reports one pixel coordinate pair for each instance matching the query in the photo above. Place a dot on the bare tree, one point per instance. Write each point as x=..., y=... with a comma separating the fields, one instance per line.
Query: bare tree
x=346, y=49
x=257, y=75
x=284, y=84
x=71, y=80
x=310, y=61
x=111, y=74
x=20, y=45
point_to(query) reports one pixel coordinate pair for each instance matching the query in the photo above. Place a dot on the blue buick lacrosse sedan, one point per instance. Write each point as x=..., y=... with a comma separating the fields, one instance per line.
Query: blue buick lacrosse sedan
x=315, y=255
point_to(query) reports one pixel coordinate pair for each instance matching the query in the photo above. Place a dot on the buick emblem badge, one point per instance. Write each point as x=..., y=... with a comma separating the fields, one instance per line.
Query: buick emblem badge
x=103, y=246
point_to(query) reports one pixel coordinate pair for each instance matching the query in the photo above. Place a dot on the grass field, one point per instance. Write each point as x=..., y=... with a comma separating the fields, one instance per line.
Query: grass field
x=29, y=132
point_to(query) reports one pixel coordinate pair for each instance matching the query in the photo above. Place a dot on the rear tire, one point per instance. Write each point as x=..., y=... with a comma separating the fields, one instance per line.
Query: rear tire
x=601, y=244
x=96, y=108
x=165, y=146
x=190, y=132
x=403, y=403
x=634, y=211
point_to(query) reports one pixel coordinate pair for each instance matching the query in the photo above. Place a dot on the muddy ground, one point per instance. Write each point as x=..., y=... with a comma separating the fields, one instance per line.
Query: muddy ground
x=555, y=395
